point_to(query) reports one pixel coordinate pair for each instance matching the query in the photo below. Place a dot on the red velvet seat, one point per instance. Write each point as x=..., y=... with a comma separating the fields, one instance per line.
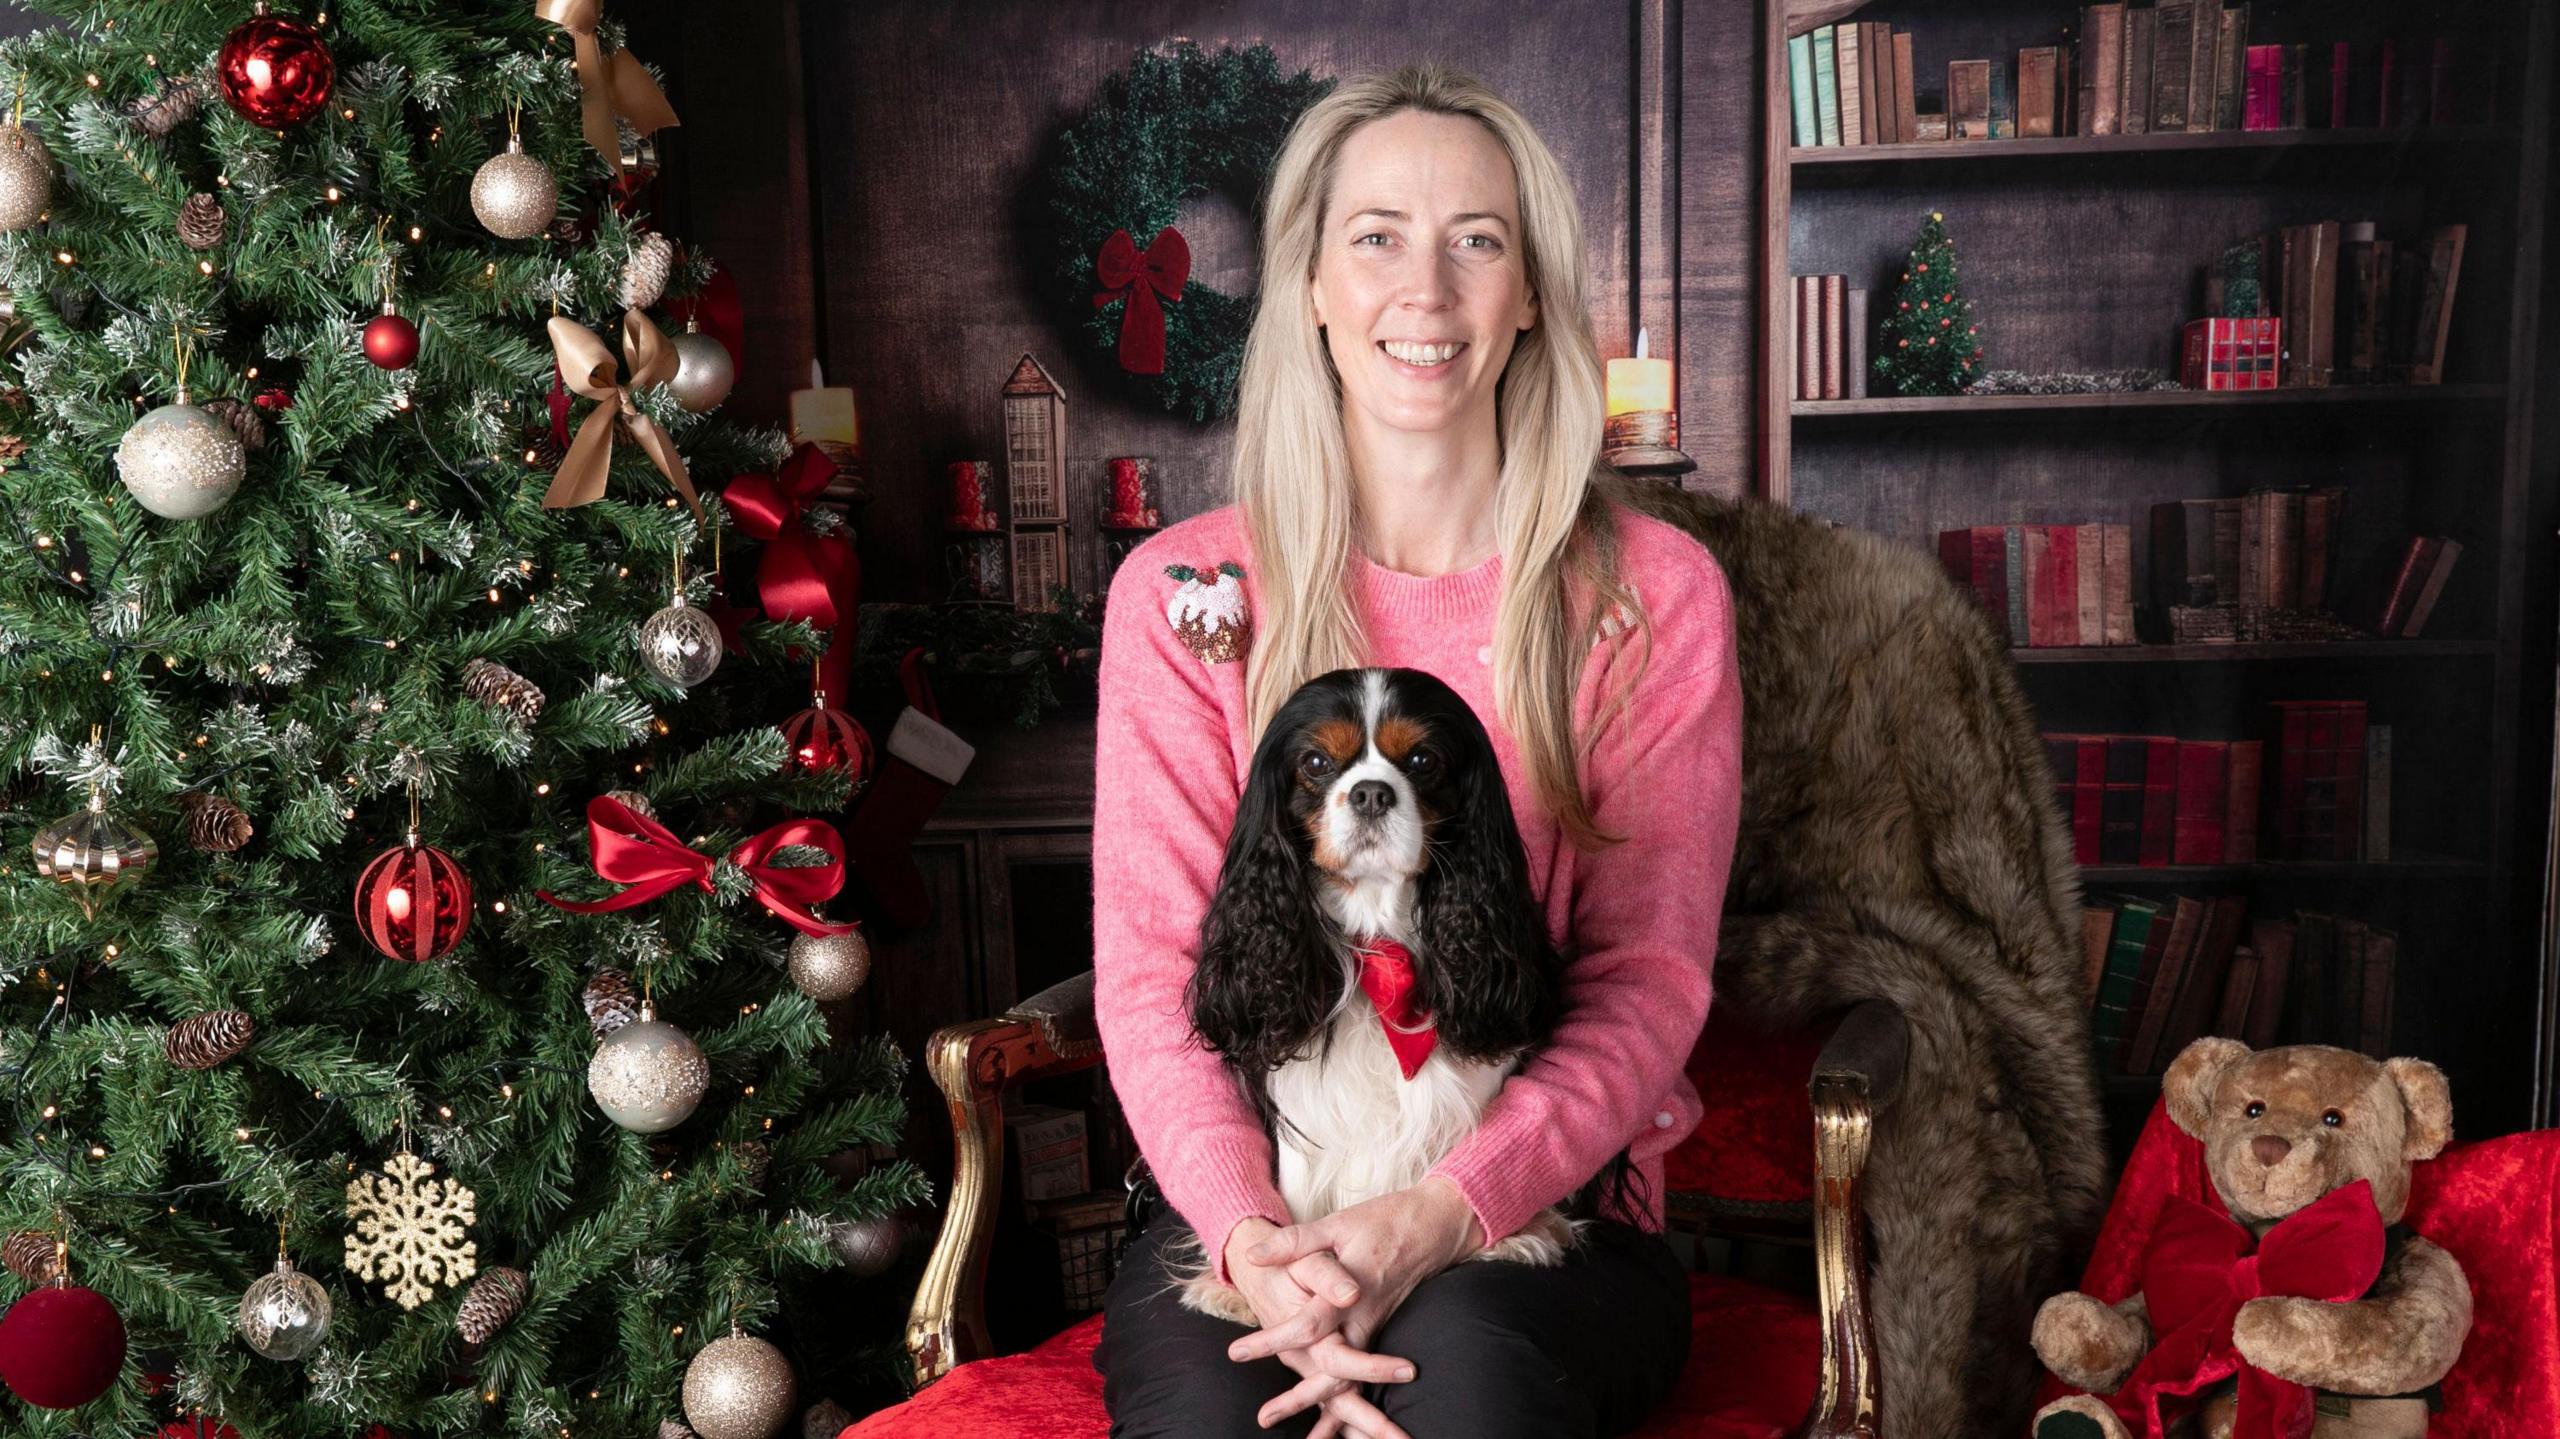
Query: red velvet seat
x=2494, y=1205
x=1751, y=1374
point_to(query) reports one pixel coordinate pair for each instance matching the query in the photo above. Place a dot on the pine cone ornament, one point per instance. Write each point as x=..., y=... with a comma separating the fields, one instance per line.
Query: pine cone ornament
x=644, y=275
x=492, y=1303
x=756, y=1160
x=200, y=221
x=32, y=1257
x=670, y=1429
x=244, y=421
x=611, y=1002
x=209, y=1038
x=171, y=106
x=13, y=447
x=634, y=801
x=214, y=824
x=503, y=689
x=825, y=1420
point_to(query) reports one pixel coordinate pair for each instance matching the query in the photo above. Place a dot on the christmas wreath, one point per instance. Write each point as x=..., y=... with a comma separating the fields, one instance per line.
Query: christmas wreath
x=1178, y=124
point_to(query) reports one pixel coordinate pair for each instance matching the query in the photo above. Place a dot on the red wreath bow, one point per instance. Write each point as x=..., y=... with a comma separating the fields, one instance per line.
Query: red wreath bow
x=816, y=578
x=2197, y=1274
x=1161, y=270
x=634, y=850
x=1386, y=976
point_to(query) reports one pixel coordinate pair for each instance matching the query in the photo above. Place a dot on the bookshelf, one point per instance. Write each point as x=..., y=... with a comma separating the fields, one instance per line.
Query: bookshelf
x=2086, y=253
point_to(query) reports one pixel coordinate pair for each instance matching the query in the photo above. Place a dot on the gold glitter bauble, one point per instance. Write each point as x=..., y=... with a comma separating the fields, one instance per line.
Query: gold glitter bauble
x=93, y=851
x=181, y=462
x=681, y=644
x=830, y=966
x=514, y=194
x=26, y=177
x=648, y=1075
x=704, y=372
x=285, y=1314
x=738, y=1388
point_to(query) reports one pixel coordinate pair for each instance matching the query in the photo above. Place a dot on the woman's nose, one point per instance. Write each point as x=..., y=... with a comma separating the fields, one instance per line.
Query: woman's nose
x=1429, y=283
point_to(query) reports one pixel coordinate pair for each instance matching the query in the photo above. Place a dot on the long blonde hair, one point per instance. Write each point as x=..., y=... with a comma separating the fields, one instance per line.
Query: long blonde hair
x=1293, y=481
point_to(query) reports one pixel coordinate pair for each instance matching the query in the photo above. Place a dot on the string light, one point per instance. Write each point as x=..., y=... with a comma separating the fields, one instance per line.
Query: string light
x=65, y=257
x=416, y=234
x=335, y=194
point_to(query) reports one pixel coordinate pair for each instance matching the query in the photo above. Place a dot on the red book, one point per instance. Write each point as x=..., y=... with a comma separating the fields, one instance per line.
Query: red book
x=2088, y=798
x=2240, y=807
x=2159, y=799
x=2115, y=544
x=2062, y=558
x=2043, y=614
x=2316, y=815
x=2120, y=809
x=2349, y=767
x=2203, y=790
x=2402, y=595
x=2290, y=735
x=2340, y=67
x=2273, y=940
x=2262, y=103
x=2447, y=552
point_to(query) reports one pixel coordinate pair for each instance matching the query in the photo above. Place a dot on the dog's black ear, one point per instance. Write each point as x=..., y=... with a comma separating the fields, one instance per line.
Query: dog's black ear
x=1268, y=972
x=1488, y=975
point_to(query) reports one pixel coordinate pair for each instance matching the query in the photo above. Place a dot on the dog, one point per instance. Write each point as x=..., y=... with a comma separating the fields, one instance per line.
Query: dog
x=1373, y=964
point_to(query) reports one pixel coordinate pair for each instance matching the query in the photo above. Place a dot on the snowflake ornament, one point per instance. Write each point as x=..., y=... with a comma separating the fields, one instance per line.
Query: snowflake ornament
x=409, y=1230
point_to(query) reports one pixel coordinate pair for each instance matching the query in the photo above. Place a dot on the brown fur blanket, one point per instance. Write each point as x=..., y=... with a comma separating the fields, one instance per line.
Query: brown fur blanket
x=1900, y=841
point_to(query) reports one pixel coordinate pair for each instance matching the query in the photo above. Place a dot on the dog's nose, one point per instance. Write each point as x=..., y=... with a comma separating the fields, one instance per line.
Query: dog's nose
x=2270, y=1149
x=1371, y=798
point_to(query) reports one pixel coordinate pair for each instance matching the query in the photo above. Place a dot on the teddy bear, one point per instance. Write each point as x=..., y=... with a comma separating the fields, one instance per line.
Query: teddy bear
x=2293, y=1309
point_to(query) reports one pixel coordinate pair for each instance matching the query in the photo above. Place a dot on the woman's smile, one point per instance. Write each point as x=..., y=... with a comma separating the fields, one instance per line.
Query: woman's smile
x=1417, y=361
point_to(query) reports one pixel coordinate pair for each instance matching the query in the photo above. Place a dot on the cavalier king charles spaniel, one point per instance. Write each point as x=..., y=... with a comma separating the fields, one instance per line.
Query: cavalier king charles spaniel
x=1373, y=964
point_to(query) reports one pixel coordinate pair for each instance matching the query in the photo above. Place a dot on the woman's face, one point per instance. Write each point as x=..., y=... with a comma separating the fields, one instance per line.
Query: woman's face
x=1420, y=283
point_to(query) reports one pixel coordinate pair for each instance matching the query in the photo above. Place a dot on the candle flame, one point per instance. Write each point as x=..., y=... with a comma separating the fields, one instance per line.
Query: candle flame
x=1640, y=342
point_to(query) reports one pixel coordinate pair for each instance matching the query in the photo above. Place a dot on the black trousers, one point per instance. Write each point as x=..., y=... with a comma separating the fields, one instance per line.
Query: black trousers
x=1576, y=1351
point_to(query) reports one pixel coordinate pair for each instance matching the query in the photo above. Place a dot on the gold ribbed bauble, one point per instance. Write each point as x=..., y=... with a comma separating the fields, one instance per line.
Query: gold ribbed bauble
x=738, y=1388
x=514, y=194
x=93, y=851
x=26, y=177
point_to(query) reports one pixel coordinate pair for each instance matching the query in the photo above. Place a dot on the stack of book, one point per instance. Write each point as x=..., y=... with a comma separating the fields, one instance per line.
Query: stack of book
x=2163, y=973
x=2269, y=553
x=1831, y=339
x=2343, y=85
x=2048, y=584
x=2180, y=65
x=1850, y=84
x=2416, y=583
x=2357, y=309
x=2155, y=799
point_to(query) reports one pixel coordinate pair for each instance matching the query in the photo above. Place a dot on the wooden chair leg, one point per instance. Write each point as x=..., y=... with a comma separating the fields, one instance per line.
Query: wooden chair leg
x=1844, y=1125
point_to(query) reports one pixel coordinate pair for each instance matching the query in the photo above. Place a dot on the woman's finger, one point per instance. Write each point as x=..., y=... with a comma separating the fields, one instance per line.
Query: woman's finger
x=1323, y=1273
x=1332, y=1355
x=1314, y=1320
x=1363, y=1418
x=1326, y=1427
x=1283, y=1245
x=1305, y=1394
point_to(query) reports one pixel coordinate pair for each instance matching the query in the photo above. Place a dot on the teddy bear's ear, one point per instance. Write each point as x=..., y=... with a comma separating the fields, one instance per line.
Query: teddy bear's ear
x=2189, y=1084
x=2429, y=1096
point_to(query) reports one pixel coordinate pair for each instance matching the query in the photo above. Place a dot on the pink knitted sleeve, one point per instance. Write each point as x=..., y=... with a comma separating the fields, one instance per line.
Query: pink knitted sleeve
x=1668, y=776
x=1165, y=795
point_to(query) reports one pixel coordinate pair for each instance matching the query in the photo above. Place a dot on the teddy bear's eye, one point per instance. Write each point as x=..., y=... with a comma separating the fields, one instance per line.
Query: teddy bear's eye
x=2256, y=1108
x=2333, y=1119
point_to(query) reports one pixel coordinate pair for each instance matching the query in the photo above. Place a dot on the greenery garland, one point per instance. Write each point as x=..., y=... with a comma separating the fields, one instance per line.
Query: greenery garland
x=1177, y=125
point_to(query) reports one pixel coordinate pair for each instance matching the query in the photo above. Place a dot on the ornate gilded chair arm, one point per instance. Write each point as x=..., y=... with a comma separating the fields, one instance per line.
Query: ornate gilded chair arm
x=974, y=1064
x=1858, y=1073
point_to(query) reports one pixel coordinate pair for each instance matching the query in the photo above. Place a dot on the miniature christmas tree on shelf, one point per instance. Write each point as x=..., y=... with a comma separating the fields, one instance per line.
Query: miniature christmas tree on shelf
x=1929, y=344
x=340, y=632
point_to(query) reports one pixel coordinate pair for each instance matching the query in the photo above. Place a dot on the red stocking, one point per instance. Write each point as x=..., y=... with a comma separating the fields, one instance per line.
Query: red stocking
x=923, y=761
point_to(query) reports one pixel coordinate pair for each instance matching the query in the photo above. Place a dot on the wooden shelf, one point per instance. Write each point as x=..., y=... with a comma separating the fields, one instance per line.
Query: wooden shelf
x=2256, y=144
x=2415, y=867
x=2253, y=650
x=2329, y=399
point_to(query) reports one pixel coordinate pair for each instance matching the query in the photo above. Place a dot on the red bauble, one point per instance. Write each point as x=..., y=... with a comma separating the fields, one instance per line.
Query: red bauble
x=199, y=1427
x=413, y=902
x=275, y=71
x=390, y=341
x=822, y=741
x=61, y=1347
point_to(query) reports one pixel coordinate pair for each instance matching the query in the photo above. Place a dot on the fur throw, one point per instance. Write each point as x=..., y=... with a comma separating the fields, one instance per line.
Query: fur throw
x=1900, y=841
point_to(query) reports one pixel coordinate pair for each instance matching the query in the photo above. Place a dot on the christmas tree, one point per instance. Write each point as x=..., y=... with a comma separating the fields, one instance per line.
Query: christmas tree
x=1930, y=344
x=330, y=626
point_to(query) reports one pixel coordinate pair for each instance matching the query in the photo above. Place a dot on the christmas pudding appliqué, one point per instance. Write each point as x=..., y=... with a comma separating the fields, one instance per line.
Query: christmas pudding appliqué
x=1208, y=612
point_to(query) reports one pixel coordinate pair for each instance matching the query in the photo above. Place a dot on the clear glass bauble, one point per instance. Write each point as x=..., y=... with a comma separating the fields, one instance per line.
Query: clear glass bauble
x=680, y=644
x=285, y=1314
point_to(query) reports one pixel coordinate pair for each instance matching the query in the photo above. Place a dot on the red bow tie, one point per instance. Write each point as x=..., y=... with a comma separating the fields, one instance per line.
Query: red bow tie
x=634, y=850
x=1386, y=976
x=2197, y=1273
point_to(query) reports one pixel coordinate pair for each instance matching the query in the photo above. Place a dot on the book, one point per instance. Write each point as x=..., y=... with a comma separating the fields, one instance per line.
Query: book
x=2097, y=926
x=2434, y=309
x=2439, y=568
x=1808, y=308
x=2182, y=563
x=2442, y=89
x=2262, y=105
x=2273, y=941
x=1854, y=381
x=2400, y=596
x=2101, y=67
x=2296, y=80
x=1835, y=300
x=2381, y=977
x=2310, y=299
x=2036, y=93
x=2231, y=67
x=2013, y=547
x=2240, y=804
x=2066, y=93
x=2364, y=277
x=2204, y=785
x=2062, y=756
x=1875, y=56
x=2377, y=793
x=2231, y=1020
x=2173, y=63
x=2159, y=799
x=2199, y=996
x=2037, y=547
x=1906, y=122
x=2290, y=729
x=2120, y=803
x=2307, y=988
x=2089, y=799
x=1931, y=126
x=2088, y=550
x=1808, y=129
x=2004, y=103
x=2340, y=87
x=2204, y=34
x=2156, y=998
x=2116, y=546
x=2125, y=949
x=2345, y=973
x=1969, y=99
x=1826, y=85
x=2146, y=983
x=2139, y=28
x=1852, y=84
x=2319, y=541
x=2386, y=81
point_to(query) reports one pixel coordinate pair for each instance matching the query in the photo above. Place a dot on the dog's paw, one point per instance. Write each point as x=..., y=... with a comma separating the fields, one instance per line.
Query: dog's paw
x=1542, y=1242
x=1203, y=1294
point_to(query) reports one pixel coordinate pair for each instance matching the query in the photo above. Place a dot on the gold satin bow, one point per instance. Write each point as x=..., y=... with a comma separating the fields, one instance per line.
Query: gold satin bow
x=588, y=368
x=608, y=85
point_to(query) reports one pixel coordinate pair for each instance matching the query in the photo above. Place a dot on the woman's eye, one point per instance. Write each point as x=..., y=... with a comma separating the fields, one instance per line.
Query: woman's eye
x=1490, y=244
x=2255, y=1109
x=1364, y=239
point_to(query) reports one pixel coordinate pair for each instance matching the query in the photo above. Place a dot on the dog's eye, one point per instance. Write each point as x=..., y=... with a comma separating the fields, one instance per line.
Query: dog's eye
x=1421, y=761
x=2255, y=1109
x=1316, y=764
x=2333, y=1119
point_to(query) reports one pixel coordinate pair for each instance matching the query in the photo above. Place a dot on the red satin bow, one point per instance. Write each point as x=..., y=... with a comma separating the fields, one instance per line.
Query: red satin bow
x=1386, y=976
x=816, y=578
x=1141, y=278
x=634, y=850
x=2198, y=1273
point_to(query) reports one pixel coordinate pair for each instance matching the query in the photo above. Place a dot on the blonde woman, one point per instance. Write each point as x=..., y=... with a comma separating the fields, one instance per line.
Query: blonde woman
x=1416, y=485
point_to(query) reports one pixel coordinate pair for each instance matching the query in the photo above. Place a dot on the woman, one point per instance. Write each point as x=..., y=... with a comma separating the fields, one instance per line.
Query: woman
x=1415, y=484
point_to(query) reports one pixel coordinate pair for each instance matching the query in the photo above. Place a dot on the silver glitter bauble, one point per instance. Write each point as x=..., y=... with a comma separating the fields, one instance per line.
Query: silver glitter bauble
x=704, y=372
x=681, y=644
x=738, y=1388
x=181, y=462
x=26, y=177
x=868, y=1247
x=285, y=1314
x=830, y=966
x=644, y=275
x=648, y=1075
x=514, y=194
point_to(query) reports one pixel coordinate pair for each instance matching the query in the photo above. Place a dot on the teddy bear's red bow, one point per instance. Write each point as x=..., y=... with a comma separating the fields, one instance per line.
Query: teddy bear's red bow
x=1124, y=270
x=635, y=850
x=2199, y=1271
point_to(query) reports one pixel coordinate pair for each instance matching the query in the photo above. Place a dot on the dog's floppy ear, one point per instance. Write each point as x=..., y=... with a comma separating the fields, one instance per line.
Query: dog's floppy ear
x=1267, y=971
x=1489, y=976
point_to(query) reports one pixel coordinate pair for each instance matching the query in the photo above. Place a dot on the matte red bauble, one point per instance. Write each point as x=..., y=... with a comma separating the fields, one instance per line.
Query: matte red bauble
x=275, y=71
x=391, y=341
x=61, y=1346
x=413, y=902
x=822, y=741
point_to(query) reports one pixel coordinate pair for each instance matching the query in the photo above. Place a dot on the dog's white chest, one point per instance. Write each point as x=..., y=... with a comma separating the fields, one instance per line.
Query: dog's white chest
x=1352, y=1127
